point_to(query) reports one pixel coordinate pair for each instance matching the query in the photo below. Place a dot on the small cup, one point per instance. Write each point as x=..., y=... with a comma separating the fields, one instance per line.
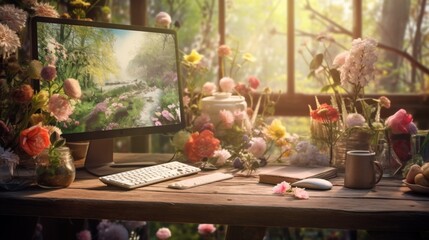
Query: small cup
x=361, y=170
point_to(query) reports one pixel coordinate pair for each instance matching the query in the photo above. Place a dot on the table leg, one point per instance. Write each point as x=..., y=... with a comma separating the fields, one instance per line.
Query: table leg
x=245, y=233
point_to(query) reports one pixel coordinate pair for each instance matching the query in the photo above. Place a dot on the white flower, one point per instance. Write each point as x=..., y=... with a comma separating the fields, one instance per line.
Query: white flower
x=340, y=59
x=257, y=147
x=10, y=158
x=358, y=68
x=355, y=120
x=222, y=155
x=9, y=41
x=13, y=17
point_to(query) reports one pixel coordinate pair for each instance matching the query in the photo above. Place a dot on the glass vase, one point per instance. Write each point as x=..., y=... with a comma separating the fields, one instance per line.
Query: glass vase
x=17, y=177
x=55, y=172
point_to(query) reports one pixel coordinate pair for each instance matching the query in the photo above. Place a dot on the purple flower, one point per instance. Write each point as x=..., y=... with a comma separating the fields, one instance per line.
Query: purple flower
x=237, y=163
x=49, y=73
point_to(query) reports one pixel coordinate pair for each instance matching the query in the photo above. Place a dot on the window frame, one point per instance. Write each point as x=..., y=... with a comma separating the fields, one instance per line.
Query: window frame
x=296, y=104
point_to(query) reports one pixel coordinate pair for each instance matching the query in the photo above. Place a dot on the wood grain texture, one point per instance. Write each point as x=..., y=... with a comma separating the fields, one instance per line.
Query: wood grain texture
x=240, y=201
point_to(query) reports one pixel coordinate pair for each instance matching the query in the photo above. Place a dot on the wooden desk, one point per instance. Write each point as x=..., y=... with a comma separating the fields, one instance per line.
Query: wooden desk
x=389, y=207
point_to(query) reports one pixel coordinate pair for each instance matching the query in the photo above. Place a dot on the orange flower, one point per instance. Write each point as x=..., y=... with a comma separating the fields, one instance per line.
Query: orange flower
x=23, y=94
x=325, y=112
x=34, y=140
x=201, y=145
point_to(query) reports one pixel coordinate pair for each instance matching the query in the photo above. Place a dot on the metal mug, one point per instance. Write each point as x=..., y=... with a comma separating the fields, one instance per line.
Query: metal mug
x=361, y=170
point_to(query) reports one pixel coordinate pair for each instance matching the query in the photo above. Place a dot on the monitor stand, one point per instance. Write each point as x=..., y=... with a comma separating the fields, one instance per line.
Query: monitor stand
x=101, y=160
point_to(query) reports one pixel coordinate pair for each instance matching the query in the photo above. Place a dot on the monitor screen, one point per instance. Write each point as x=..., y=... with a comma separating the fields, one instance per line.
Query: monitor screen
x=129, y=76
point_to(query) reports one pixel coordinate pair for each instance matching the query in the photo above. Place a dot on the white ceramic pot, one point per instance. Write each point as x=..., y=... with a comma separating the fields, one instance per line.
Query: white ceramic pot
x=212, y=105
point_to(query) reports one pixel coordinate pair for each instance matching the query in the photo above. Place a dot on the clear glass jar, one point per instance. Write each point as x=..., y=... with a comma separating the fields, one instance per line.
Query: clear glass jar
x=55, y=171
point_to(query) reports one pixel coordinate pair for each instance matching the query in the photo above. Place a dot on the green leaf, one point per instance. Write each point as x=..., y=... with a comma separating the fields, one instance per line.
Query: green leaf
x=335, y=74
x=316, y=62
x=326, y=88
x=59, y=143
x=311, y=74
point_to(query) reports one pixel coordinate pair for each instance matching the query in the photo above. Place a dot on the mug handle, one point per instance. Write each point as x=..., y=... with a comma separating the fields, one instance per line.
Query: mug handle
x=378, y=169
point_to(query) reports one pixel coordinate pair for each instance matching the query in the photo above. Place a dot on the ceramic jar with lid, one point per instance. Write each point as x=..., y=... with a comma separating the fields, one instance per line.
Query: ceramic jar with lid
x=212, y=105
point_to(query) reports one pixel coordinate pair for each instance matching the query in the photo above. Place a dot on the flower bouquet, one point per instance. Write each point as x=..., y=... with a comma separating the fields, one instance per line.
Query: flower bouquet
x=350, y=121
x=227, y=127
x=28, y=117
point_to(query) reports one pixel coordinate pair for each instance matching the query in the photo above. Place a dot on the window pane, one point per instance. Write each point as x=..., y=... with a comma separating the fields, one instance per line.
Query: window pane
x=196, y=23
x=314, y=34
x=391, y=23
x=120, y=11
x=396, y=24
x=259, y=28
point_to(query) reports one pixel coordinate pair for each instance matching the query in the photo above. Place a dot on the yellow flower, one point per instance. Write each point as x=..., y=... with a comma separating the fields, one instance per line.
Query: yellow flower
x=36, y=119
x=80, y=3
x=41, y=99
x=193, y=58
x=276, y=130
x=249, y=57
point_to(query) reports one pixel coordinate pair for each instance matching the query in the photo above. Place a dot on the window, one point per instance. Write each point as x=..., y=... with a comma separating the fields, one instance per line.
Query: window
x=277, y=30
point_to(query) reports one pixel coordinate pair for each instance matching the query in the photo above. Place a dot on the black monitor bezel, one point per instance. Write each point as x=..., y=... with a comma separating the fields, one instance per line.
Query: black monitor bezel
x=138, y=131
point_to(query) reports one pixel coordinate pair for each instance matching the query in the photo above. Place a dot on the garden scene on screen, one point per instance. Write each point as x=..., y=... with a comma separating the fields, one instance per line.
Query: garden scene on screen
x=128, y=78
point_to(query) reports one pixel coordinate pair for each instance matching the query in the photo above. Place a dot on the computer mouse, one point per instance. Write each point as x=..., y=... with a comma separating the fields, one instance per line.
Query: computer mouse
x=313, y=183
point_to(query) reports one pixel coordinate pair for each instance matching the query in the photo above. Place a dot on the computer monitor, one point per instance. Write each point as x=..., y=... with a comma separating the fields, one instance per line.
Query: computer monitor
x=129, y=76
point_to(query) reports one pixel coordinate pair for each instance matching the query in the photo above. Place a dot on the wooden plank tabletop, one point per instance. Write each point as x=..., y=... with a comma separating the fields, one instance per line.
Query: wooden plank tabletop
x=240, y=201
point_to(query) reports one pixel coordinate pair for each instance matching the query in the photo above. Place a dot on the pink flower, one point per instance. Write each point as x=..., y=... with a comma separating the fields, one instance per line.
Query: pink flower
x=224, y=50
x=200, y=121
x=227, y=84
x=399, y=122
x=83, y=235
x=340, y=59
x=72, y=88
x=163, y=233
x=167, y=115
x=253, y=82
x=163, y=19
x=208, y=88
x=257, y=147
x=227, y=118
x=281, y=188
x=13, y=17
x=9, y=41
x=384, y=102
x=60, y=107
x=300, y=193
x=45, y=10
x=49, y=73
x=206, y=229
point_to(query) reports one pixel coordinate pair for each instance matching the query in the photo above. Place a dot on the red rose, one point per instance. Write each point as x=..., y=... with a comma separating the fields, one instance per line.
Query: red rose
x=34, y=140
x=325, y=112
x=201, y=145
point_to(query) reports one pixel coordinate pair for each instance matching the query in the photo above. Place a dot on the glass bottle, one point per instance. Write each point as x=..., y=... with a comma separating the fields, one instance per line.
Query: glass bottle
x=55, y=170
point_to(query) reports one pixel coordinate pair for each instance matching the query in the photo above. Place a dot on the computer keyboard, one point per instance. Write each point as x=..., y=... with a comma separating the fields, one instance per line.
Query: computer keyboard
x=149, y=175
